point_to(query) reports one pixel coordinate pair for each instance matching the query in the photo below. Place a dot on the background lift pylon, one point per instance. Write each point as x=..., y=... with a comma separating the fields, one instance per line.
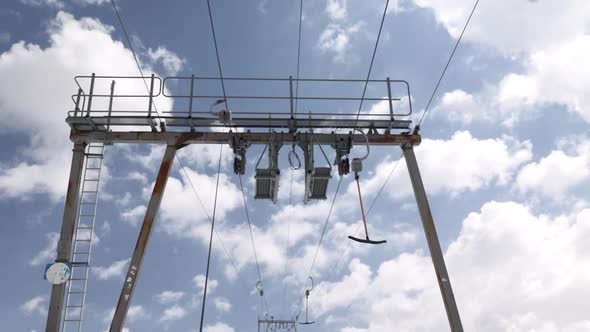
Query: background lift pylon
x=96, y=119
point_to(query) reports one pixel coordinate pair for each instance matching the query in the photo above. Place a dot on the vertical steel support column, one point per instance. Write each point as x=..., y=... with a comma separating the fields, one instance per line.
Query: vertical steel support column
x=67, y=234
x=110, y=105
x=442, y=276
x=389, y=98
x=143, y=240
x=90, y=94
x=291, y=96
x=190, y=103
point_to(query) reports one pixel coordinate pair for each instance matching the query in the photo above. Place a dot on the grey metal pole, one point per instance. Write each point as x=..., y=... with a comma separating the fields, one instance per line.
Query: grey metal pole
x=143, y=240
x=67, y=233
x=442, y=276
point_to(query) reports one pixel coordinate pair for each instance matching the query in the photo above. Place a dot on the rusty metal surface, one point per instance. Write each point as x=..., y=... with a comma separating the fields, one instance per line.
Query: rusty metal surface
x=143, y=240
x=67, y=234
x=438, y=260
x=200, y=137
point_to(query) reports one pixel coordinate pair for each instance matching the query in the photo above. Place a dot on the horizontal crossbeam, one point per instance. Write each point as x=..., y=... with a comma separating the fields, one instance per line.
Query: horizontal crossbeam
x=101, y=122
x=182, y=138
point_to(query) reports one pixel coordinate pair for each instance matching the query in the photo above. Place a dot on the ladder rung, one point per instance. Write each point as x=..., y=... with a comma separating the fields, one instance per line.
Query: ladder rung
x=72, y=320
x=77, y=279
x=76, y=292
x=90, y=191
x=78, y=264
x=93, y=168
x=87, y=203
x=74, y=306
x=87, y=215
x=84, y=227
x=83, y=240
x=95, y=155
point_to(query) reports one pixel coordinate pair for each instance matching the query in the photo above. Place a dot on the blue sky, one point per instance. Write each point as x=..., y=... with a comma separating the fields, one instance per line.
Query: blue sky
x=505, y=159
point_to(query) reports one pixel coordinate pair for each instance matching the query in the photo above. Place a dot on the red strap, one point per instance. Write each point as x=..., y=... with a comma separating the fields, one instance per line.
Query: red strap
x=362, y=207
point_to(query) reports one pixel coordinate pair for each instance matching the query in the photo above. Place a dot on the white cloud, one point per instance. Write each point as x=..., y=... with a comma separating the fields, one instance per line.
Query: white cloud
x=336, y=9
x=169, y=297
x=134, y=216
x=47, y=255
x=523, y=26
x=462, y=163
x=222, y=304
x=173, y=313
x=136, y=312
x=116, y=269
x=137, y=176
x=37, y=107
x=34, y=305
x=91, y=2
x=555, y=71
x=553, y=175
x=171, y=61
x=218, y=327
x=336, y=39
x=511, y=270
x=199, y=281
x=182, y=214
x=39, y=3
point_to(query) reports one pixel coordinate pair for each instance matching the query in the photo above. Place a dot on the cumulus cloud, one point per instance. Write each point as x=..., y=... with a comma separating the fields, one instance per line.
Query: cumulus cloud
x=115, y=270
x=218, y=327
x=171, y=61
x=459, y=164
x=199, y=281
x=527, y=26
x=173, y=313
x=134, y=216
x=39, y=3
x=36, y=108
x=34, y=305
x=169, y=297
x=336, y=9
x=222, y=304
x=47, y=254
x=558, y=172
x=556, y=75
x=511, y=270
x=336, y=39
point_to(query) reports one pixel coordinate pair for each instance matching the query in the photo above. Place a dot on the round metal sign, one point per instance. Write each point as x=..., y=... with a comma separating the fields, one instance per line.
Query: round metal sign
x=58, y=273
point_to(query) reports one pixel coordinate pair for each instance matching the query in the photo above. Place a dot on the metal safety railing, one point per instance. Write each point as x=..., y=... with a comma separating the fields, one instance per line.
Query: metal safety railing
x=114, y=100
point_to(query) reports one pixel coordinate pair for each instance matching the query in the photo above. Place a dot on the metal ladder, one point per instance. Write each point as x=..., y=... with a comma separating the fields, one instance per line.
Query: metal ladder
x=83, y=237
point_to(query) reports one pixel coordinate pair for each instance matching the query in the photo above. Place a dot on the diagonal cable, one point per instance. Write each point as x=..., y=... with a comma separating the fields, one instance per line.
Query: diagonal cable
x=122, y=24
x=211, y=240
x=448, y=62
x=252, y=238
x=120, y=19
x=356, y=121
x=298, y=55
x=368, y=211
x=217, y=53
x=372, y=60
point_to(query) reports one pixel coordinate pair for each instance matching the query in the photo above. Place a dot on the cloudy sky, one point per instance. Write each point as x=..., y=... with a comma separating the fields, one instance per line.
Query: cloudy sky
x=505, y=158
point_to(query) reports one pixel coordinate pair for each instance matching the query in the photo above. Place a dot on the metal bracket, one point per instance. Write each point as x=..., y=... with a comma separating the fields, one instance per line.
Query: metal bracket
x=239, y=146
x=343, y=147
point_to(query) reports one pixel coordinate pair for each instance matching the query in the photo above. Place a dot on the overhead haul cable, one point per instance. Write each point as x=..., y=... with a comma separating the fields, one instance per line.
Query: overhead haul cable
x=448, y=63
x=120, y=19
x=357, y=118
